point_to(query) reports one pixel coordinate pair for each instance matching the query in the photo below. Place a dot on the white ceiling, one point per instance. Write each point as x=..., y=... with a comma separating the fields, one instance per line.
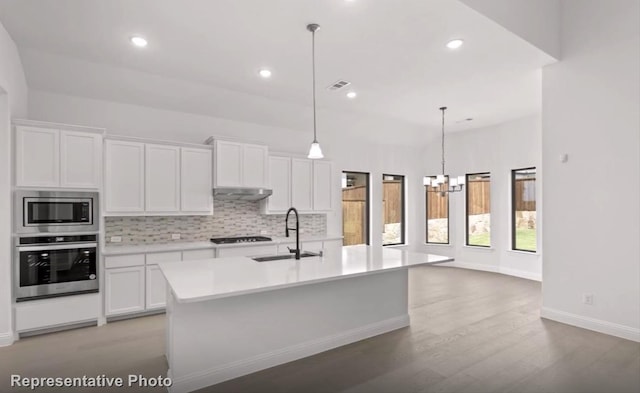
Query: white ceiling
x=203, y=57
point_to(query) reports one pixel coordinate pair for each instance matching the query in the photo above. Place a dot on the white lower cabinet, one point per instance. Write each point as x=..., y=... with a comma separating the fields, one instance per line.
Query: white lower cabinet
x=125, y=290
x=156, y=287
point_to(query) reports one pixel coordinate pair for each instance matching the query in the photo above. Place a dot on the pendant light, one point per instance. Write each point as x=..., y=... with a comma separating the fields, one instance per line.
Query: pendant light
x=315, y=152
x=455, y=184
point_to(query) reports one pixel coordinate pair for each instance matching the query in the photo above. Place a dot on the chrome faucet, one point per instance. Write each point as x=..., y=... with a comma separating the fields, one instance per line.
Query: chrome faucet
x=297, y=229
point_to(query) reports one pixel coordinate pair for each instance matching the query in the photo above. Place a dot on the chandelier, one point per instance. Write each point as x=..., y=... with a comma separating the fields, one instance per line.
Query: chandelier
x=441, y=183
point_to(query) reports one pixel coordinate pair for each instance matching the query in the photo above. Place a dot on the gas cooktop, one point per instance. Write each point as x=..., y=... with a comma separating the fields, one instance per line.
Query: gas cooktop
x=240, y=239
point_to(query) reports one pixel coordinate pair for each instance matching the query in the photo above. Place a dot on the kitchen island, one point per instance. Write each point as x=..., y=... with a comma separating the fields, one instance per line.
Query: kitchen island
x=228, y=317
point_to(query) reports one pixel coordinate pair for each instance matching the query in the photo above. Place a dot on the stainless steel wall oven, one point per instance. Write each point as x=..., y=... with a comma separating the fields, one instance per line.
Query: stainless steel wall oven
x=49, y=266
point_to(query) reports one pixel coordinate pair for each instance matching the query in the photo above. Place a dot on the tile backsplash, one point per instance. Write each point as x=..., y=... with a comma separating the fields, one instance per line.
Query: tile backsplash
x=230, y=218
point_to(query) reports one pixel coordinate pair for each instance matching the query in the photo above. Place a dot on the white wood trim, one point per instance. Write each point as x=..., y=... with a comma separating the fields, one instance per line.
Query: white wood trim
x=6, y=339
x=56, y=126
x=597, y=325
x=125, y=138
x=232, y=370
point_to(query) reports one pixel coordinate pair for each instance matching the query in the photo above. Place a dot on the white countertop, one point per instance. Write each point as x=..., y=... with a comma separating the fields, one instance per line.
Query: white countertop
x=193, y=281
x=180, y=246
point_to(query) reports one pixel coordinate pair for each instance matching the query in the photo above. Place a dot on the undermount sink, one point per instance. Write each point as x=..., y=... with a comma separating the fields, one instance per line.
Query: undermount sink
x=304, y=254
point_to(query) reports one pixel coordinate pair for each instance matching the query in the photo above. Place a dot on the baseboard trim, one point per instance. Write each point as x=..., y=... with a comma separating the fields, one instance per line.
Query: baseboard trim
x=496, y=269
x=6, y=339
x=597, y=325
x=229, y=371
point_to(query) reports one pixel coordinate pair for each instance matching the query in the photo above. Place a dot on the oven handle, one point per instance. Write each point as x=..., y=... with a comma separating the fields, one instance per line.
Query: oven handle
x=58, y=247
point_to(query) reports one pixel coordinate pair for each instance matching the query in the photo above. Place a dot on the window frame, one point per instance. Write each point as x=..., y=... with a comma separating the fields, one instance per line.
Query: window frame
x=403, y=223
x=367, y=205
x=426, y=214
x=466, y=207
x=513, y=210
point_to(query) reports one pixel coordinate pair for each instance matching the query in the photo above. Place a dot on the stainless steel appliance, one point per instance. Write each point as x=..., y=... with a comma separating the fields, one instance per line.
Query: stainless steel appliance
x=49, y=266
x=240, y=239
x=55, y=211
x=241, y=194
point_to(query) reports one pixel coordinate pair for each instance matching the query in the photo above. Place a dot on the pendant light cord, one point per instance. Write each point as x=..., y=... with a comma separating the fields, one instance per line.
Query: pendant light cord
x=443, y=109
x=313, y=72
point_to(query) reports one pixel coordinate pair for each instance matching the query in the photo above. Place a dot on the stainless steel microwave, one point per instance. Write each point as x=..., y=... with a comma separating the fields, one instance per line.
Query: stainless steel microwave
x=55, y=211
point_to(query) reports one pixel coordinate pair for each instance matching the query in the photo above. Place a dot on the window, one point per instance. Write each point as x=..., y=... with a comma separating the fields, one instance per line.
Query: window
x=479, y=209
x=392, y=209
x=523, y=209
x=437, y=212
x=355, y=208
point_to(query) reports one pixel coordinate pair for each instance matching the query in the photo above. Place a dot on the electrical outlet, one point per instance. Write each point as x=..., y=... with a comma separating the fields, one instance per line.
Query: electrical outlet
x=116, y=239
x=175, y=236
x=263, y=232
x=587, y=298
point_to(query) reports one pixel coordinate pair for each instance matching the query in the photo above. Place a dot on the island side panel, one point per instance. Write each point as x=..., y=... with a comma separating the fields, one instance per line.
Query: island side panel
x=216, y=340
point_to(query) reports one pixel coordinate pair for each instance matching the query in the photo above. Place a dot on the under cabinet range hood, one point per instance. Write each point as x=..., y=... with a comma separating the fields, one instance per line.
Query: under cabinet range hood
x=241, y=194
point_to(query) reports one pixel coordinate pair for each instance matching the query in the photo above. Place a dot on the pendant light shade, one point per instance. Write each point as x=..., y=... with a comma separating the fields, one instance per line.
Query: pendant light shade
x=441, y=183
x=315, y=152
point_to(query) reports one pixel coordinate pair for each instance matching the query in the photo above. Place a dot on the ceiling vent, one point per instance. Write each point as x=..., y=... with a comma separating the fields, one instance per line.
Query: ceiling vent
x=338, y=85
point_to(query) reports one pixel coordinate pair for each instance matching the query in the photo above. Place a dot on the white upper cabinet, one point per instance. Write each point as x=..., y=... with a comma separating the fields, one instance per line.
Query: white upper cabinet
x=280, y=183
x=37, y=157
x=322, y=185
x=124, y=182
x=304, y=184
x=195, y=179
x=80, y=159
x=157, y=179
x=50, y=157
x=240, y=165
x=301, y=184
x=162, y=178
x=228, y=168
x=255, y=166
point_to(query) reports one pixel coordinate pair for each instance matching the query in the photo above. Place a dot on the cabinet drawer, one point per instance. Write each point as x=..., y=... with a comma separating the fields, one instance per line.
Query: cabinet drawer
x=159, y=257
x=192, y=255
x=247, y=251
x=123, y=260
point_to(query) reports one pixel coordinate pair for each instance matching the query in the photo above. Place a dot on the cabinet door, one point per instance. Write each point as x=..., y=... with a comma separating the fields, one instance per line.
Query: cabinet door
x=280, y=183
x=254, y=166
x=156, y=288
x=322, y=185
x=228, y=159
x=301, y=184
x=80, y=159
x=124, y=290
x=162, y=178
x=124, y=182
x=195, y=180
x=37, y=157
x=194, y=255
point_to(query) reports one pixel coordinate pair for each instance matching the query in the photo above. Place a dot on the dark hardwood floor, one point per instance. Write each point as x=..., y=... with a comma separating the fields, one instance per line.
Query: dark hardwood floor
x=470, y=332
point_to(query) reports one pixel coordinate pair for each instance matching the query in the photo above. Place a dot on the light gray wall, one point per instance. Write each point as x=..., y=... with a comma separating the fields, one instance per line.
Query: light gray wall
x=349, y=149
x=592, y=203
x=498, y=150
x=13, y=103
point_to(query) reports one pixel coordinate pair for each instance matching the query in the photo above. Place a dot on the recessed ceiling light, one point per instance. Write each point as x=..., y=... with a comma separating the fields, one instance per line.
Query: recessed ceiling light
x=352, y=94
x=265, y=73
x=138, y=41
x=455, y=44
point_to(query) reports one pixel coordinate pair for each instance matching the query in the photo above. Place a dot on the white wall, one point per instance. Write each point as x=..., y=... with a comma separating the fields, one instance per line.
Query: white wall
x=13, y=103
x=347, y=151
x=497, y=149
x=590, y=111
x=537, y=21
